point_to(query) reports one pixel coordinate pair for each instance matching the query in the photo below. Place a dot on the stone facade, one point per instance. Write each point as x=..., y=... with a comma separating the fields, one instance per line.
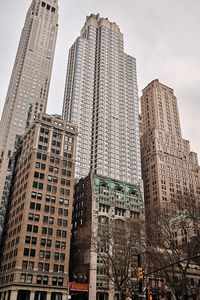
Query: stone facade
x=99, y=201
x=36, y=241
x=170, y=170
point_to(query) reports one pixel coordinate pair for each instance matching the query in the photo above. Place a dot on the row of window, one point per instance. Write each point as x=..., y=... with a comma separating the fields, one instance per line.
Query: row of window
x=54, y=160
x=49, y=198
x=52, y=188
x=28, y=278
x=47, y=208
x=44, y=254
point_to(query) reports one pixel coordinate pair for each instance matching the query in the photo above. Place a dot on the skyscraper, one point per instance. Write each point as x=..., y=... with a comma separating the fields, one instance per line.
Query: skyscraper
x=170, y=169
x=34, y=257
x=101, y=96
x=29, y=84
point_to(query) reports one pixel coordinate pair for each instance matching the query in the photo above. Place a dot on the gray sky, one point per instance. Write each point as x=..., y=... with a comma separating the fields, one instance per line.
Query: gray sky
x=163, y=35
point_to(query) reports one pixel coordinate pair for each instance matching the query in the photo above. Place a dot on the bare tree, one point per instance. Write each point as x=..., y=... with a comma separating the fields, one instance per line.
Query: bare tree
x=171, y=241
x=116, y=244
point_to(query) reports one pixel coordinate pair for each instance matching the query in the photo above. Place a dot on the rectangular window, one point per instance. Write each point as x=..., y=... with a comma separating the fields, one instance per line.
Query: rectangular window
x=41, y=255
x=50, y=231
x=35, y=229
x=44, y=230
x=28, y=240
x=34, y=240
x=46, y=208
x=40, y=266
x=56, y=256
x=32, y=253
x=48, y=255
x=24, y=264
x=49, y=243
x=59, y=222
x=43, y=242
x=58, y=233
x=65, y=223
x=55, y=268
x=62, y=256
x=46, y=267
x=29, y=228
x=57, y=245
x=30, y=216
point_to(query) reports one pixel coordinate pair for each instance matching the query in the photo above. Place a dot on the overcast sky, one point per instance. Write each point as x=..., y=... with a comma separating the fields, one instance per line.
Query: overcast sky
x=163, y=36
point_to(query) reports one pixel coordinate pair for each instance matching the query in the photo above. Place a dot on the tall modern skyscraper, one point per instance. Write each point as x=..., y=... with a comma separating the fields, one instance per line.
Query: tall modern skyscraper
x=29, y=84
x=170, y=169
x=101, y=96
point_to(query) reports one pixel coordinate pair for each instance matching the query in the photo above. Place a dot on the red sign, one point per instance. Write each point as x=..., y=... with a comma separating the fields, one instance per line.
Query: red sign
x=81, y=287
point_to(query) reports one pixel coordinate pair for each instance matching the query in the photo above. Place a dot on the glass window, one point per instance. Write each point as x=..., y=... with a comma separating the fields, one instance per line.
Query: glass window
x=24, y=264
x=51, y=220
x=62, y=256
x=44, y=230
x=63, y=245
x=36, y=218
x=39, y=279
x=45, y=280
x=43, y=242
x=30, y=216
x=29, y=228
x=54, y=282
x=46, y=267
x=22, y=277
x=58, y=233
x=31, y=265
x=34, y=240
x=28, y=240
x=56, y=256
x=32, y=252
x=50, y=231
x=49, y=243
x=29, y=278
x=35, y=229
x=41, y=254
x=40, y=266
x=60, y=281
x=65, y=223
x=57, y=245
x=55, y=268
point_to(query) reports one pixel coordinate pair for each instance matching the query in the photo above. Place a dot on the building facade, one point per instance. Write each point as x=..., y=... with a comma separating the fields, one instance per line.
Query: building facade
x=101, y=97
x=99, y=203
x=170, y=170
x=36, y=241
x=29, y=84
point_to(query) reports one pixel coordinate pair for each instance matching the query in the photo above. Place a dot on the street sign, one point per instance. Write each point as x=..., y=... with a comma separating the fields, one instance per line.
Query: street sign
x=81, y=287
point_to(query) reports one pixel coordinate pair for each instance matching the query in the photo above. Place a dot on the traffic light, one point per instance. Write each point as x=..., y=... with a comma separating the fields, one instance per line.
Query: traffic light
x=140, y=273
x=149, y=296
